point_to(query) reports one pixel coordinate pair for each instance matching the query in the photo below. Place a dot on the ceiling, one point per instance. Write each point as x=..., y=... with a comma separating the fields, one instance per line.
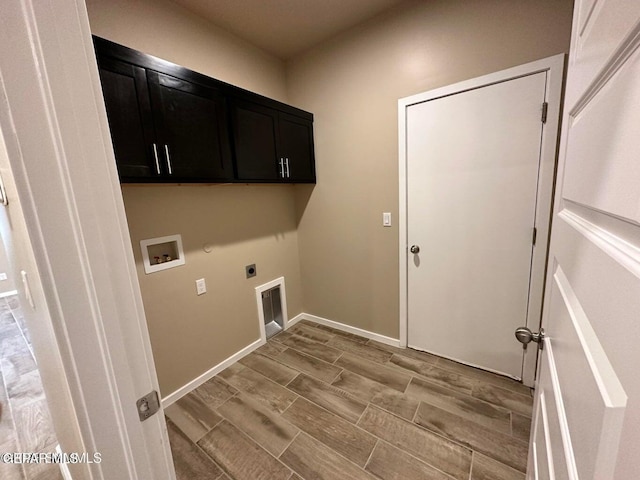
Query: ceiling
x=285, y=28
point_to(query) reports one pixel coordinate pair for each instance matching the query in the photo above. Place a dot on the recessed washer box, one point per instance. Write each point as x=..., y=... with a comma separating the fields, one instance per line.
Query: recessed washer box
x=162, y=253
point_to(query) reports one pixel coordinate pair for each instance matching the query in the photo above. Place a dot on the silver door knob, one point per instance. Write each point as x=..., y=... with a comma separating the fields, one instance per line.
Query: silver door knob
x=414, y=249
x=525, y=335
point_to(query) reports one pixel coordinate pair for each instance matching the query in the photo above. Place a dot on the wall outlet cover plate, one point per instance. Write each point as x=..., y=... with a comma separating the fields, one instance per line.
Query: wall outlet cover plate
x=251, y=270
x=201, y=286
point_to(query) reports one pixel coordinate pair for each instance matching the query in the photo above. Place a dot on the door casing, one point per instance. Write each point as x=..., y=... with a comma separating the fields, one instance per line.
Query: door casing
x=59, y=150
x=554, y=67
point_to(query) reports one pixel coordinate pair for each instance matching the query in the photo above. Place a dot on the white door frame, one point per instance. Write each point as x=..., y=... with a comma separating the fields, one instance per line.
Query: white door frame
x=60, y=154
x=554, y=66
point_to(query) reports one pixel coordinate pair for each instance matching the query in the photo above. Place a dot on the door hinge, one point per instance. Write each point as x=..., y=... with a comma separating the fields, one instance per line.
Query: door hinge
x=148, y=405
x=545, y=108
x=3, y=194
x=534, y=236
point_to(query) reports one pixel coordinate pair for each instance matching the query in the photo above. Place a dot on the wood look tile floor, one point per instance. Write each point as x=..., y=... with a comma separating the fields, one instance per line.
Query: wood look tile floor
x=318, y=403
x=25, y=425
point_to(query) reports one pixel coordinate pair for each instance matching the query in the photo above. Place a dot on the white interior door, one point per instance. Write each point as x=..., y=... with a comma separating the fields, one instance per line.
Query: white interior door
x=586, y=412
x=473, y=161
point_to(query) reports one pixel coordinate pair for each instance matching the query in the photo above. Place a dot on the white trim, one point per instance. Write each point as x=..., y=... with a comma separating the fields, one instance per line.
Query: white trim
x=212, y=372
x=278, y=282
x=561, y=413
x=625, y=253
x=196, y=382
x=615, y=62
x=64, y=468
x=402, y=222
x=609, y=385
x=548, y=446
x=544, y=207
x=349, y=329
x=526, y=69
x=60, y=153
x=294, y=320
x=8, y=294
x=554, y=67
x=156, y=267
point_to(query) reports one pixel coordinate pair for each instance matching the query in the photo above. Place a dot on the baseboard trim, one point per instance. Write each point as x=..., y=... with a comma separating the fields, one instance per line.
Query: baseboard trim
x=295, y=320
x=196, y=382
x=349, y=329
x=9, y=293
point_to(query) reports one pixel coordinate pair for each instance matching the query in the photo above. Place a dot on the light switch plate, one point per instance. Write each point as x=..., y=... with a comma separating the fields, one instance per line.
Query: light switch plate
x=201, y=286
x=386, y=219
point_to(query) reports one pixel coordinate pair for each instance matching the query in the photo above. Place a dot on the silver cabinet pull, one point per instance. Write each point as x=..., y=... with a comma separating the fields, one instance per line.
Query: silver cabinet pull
x=166, y=150
x=155, y=154
x=281, y=162
x=287, y=163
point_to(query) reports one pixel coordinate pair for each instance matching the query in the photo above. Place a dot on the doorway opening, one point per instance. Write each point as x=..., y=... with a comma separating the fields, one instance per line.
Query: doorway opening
x=25, y=420
x=476, y=174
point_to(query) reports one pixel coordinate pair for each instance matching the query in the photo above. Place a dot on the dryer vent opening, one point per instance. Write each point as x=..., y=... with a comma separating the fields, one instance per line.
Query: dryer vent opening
x=272, y=309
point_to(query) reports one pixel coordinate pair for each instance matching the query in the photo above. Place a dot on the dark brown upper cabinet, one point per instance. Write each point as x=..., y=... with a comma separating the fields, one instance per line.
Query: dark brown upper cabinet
x=296, y=148
x=255, y=135
x=163, y=128
x=191, y=127
x=172, y=125
x=271, y=146
x=126, y=98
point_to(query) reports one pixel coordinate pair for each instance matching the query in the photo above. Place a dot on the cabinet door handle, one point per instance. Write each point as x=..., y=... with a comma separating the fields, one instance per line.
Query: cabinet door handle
x=155, y=155
x=166, y=150
x=281, y=162
x=287, y=163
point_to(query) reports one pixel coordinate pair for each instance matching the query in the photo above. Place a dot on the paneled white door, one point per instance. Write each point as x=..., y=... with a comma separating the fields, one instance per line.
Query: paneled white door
x=473, y=162
x=586, y=414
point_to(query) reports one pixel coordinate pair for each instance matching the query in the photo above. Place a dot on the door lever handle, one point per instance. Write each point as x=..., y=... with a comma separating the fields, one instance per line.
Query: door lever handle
x=526, y=336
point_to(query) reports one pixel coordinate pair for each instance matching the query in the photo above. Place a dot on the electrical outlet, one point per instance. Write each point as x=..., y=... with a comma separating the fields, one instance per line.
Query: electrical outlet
x=201, y=286
x=251, y=270
x=3, y=276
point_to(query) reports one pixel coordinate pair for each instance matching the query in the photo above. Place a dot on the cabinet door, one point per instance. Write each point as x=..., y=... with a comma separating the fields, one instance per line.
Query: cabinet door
x=296, y=147
x=124, y=87
x=255, y=130
x=191, y=121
